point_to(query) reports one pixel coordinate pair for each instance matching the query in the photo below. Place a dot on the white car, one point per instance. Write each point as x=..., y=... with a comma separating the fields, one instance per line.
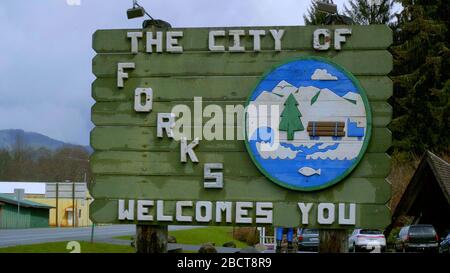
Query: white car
x=367, y=239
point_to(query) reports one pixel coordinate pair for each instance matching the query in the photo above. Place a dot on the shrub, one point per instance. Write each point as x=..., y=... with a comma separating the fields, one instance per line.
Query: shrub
x=248, y=235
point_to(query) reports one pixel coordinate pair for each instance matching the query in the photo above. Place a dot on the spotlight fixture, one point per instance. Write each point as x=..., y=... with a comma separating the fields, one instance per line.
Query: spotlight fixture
x=159, y=24
x=327, y=7
x=137, y=11
x=333, y=18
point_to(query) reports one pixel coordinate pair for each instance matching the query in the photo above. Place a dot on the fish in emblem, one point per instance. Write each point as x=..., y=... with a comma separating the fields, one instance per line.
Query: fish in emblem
x=307, y=171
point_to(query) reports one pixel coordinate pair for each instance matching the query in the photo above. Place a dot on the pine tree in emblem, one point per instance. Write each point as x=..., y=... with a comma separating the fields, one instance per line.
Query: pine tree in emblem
x=290, y=118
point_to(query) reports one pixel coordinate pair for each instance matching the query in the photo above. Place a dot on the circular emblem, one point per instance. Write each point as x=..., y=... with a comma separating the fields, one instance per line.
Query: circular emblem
x=307, y=124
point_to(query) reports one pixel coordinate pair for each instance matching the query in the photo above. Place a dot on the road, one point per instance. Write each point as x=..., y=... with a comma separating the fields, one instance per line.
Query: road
x=105, y=234
x=13, y=237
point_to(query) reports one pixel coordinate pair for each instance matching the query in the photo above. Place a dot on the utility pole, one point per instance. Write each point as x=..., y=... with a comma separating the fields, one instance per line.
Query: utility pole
x=92, y=233
x=57, y=202
x=19, y=196
x=73, y=204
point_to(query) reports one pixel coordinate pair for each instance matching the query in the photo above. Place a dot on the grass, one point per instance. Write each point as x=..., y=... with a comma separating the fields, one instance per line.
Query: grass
x=60, y=247
x=198, y=236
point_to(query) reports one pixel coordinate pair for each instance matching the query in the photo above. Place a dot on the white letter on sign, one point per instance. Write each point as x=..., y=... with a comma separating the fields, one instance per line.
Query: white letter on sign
x=207, y=216
x=223, y=207
x=143, y=95
x=121, y=72
x=212, y=40
x=242, y=212
x=188, y=149
x=305, y=208
x=257, y=38
x=321, y=213
x=264, y=209
x=158, y=42
x=160, y=212
x=339, y=37
x=126, y=214
x=213, y=180
x=134, y=41
x=351, y=217
x=165, y=121
x=142, y=210
x=277, y=36
x=172, y=42
x=326, y=38
x=237, y=40
x=179, y=211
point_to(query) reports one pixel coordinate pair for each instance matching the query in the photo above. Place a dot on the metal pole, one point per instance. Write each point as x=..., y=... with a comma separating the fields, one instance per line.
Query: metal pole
x=18, y=212
x=92, y=233
x=19, y=193
x=57, y=199
x=76, y=211
x=73, y=204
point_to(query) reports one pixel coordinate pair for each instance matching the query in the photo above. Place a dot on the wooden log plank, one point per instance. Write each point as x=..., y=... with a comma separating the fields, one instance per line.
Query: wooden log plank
x=380, y=141
x=381, y=114
x=326, y=129
x=374, y=62
x=127, y=138
x=122, y=113
x=327, y=133
x=286, y=214
x=359, y=190
x=235, y=164
x=225, y=88
x=196, y=39
x=325, y=124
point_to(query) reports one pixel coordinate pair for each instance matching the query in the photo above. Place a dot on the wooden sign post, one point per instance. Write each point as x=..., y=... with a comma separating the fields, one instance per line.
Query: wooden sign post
x=333, y=241
x=151, y=239
x=242, y=126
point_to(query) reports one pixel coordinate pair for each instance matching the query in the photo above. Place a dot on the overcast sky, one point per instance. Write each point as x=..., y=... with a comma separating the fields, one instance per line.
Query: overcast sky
x=45, y=51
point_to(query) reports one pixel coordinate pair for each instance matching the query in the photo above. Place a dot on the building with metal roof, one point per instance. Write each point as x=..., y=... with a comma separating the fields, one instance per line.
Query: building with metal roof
x=23, y=214
x=62, y=212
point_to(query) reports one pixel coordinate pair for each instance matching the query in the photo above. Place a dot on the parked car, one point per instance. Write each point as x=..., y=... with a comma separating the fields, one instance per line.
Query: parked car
x=445, y=245
x=417, y=238
x=366, y=239
x=308, y=239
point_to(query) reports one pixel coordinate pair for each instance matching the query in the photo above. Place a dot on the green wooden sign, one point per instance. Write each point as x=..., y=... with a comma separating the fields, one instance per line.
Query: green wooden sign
x=172, y=123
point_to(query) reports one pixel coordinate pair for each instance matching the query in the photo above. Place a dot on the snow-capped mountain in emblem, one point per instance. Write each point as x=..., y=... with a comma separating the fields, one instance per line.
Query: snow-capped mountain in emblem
x=315, y=105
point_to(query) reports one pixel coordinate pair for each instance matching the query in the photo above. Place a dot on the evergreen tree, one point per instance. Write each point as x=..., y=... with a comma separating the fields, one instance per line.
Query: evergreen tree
x=364, y=12
x=5, y=159
x=314, y=17
x=421, y=77
x=290, y=118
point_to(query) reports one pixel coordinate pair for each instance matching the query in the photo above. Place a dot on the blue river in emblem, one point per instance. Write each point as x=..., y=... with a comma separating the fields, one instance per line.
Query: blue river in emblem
x=290, y=167
x=300, y=74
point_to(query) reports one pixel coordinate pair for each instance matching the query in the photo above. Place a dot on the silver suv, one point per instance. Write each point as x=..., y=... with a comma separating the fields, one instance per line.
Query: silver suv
x=367, y=239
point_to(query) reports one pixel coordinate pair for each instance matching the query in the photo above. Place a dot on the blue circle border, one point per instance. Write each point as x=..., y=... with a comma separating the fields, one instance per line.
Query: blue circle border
x=362, y=152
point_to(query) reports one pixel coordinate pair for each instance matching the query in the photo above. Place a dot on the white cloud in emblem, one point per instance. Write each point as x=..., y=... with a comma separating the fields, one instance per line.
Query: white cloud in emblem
x=323, y=75
x=266, y=150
